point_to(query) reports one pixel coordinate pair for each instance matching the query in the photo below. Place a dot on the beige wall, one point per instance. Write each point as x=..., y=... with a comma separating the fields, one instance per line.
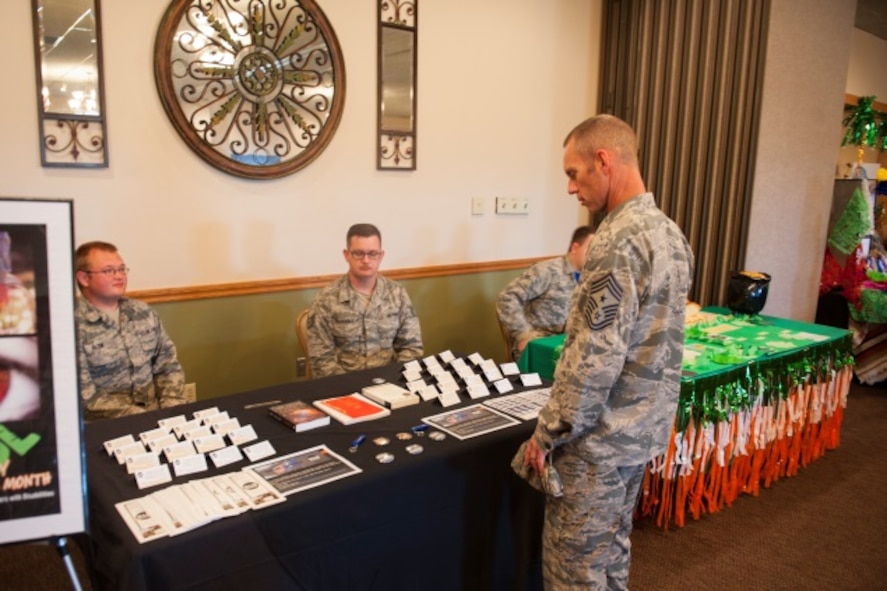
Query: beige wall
x=804, y=82
x=500, y=84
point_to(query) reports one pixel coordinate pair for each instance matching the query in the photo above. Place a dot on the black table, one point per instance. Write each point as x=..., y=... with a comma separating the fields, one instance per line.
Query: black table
x=454, y=517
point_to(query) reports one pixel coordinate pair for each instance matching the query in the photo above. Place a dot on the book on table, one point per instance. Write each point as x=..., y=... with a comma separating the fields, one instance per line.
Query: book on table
x=299, y=415
x=352, y=408
x=390, y=395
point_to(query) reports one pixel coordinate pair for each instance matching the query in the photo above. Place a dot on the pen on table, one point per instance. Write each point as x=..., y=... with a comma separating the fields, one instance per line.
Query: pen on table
x=260, y=404
x=356, y=443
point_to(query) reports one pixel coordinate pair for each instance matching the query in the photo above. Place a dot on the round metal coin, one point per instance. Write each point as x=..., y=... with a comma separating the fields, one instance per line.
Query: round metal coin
x=380, y=441
x=385, y=458
x=437, y=435
x=414, y=449
x=404, y=436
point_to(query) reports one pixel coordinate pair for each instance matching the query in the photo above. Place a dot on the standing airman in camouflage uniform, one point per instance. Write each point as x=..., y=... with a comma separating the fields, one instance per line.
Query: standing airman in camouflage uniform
x=616, y=386
x=536, y=303
x=127, y=362
x=362, y=319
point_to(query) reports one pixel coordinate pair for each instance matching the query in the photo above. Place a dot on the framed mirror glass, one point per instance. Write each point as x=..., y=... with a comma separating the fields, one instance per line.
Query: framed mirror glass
x=256, y=88
x=397, y=52
x=70, y=94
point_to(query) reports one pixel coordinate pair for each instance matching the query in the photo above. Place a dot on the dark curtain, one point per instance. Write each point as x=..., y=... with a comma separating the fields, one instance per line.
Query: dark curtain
x=687, y=75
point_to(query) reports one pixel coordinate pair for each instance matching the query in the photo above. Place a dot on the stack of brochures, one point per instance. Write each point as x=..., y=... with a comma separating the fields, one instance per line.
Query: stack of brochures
x=390, y=395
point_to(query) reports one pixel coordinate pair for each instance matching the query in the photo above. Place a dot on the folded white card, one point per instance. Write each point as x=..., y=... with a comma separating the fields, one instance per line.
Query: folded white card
x=226, y=427
x=131, y=449
x=530, y=379
x=198, y=433
x=157, y=433
x=478, y=390
x=142, y=461
x=215, y=419
x=226, y=455
x=153, y=476
x=199, y=414
x=242, y=435
x=503, y=386
x=187, y=426
x=446, y=356
x=171, y=422
x=189, y=464
x=113, y=444
x=179, y=450
x=259, y=451
x=448, y=398
x=208, y=443
x=509, y=369
x=161, y=443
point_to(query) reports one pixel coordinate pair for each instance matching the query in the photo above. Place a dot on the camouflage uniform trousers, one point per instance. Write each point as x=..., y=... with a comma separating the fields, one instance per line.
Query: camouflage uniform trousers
x=585, y=539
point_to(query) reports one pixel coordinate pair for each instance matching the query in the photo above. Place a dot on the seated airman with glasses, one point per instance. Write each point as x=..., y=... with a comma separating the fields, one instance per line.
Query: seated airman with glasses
x=127, y=362
x=362, y=319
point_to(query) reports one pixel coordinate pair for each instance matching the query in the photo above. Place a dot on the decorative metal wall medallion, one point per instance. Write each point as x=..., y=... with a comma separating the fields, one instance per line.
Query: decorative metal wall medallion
x=255, y=87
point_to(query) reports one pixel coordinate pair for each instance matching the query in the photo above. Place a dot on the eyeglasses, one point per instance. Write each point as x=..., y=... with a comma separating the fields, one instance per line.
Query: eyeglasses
x=110, y=271
x=370, y=254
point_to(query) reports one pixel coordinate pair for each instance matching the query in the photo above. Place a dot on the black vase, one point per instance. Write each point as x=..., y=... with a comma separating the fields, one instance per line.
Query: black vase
x=747, y=292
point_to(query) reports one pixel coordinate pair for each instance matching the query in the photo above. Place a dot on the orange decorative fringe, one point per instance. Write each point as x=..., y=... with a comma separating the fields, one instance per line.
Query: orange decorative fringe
x=706, y=467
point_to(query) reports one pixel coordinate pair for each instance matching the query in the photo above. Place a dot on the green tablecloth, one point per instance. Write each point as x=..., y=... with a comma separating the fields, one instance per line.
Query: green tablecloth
x=728, y=358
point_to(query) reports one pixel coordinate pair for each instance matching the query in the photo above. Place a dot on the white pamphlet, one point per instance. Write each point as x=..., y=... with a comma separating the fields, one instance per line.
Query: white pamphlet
x=258, y=491
x=229, y=506
x=142, y=519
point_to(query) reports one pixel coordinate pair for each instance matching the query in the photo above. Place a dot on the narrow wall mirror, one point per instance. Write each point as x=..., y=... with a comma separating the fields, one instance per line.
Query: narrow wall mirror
x=70, y=94
x=397, y=50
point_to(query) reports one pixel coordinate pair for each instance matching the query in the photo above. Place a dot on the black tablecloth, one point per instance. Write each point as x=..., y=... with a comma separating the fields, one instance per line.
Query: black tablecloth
x=454, y=517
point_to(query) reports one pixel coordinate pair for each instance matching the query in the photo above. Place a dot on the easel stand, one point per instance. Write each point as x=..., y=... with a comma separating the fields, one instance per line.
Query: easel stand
x=61, y=544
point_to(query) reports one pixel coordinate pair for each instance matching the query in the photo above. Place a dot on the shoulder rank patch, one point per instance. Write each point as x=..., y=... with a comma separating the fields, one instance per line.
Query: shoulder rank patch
x=602, y=302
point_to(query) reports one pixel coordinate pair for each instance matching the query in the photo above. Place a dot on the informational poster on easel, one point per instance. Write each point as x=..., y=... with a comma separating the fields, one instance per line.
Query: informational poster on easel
x=42, y=479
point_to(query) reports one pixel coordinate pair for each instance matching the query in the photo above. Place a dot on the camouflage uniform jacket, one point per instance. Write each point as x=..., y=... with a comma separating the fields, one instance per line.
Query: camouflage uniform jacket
x=616, y=385
x=127, y=369
x=536, y=303
x=344, y=335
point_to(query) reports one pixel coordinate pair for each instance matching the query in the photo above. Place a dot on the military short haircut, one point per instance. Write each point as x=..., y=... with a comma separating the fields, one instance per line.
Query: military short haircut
x=607, y=132
x=363, y=231
x=579, y=235
x=81, y=256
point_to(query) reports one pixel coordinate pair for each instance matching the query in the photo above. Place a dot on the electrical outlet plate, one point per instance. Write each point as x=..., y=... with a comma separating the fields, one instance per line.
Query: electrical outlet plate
x=477, y=206
x=512, y=206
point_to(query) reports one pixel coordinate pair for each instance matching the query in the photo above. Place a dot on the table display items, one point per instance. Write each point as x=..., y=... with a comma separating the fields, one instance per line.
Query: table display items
x=747, y=292
x=299, y=415
x=352, y=408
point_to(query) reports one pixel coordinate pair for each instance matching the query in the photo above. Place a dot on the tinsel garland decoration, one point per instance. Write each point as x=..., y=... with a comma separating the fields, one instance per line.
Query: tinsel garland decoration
x=862, y=127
